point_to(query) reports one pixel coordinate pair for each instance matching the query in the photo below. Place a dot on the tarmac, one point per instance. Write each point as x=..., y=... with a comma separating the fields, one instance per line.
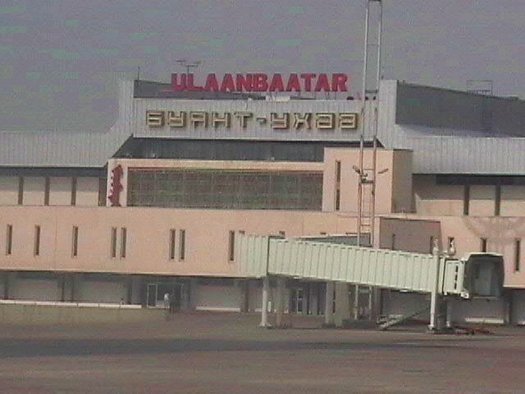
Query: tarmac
x=229, y=353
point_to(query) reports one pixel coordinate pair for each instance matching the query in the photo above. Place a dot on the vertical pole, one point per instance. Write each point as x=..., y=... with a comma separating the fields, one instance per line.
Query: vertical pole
x=356, y=302
x=264, y=306
x=280, y=302
x=329, y=304
x=434, y=297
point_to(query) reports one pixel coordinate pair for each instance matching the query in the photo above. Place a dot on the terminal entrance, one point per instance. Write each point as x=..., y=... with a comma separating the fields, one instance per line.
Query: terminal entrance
x=156, y=292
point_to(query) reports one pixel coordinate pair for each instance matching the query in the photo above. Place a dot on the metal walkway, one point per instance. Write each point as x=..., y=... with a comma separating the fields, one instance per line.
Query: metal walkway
x=479, y=274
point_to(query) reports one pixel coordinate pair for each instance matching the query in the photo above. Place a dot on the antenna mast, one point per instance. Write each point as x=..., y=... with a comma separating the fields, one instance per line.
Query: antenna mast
x=369, y=120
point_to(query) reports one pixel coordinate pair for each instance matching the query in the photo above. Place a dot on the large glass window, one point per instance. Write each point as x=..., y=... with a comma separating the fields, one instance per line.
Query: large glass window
x=225, y=189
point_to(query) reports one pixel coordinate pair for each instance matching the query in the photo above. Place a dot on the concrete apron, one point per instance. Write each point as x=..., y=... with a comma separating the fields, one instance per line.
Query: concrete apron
x=50, y=314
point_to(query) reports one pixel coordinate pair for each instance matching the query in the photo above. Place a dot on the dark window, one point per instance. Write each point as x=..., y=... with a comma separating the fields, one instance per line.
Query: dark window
x=74, y=191
x=102, y=189
x=20, y=190
x=123, y=241
x=36, y=249
x=337, y=199
x=9, y=240
x=225, y=189
x=466, y=199
x=113, y=247
x=172, y=244
x=47, y=188
x=74, y=242
x=497, y=201
x=483, y=244
x=231, y=246
x=431, y=245
x=517, y=255
x=393, y=245
x=182, y=245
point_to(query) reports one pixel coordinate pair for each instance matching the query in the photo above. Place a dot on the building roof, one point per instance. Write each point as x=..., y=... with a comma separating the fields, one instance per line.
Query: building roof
x=58, y=148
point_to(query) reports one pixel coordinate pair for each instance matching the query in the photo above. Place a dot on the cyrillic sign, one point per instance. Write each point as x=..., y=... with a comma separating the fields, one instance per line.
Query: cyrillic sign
x=245, y=119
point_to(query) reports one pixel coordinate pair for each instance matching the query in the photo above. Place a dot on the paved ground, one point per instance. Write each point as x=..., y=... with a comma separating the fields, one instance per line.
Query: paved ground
x=228, y=353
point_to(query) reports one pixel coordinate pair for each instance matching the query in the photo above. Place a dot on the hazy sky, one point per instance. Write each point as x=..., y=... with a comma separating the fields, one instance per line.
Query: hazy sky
x=60, y=59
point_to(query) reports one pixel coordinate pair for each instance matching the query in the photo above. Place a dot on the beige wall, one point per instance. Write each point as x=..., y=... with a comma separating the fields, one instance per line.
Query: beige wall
x=8, y=190
x=87, y=191
x=393, y=194
x=402, y=195
x=500, y=232
x=432, y=199
x=513, y=200
x=60, y=190
x=34, y=190
x=482, y=200
x=410, y=235
x=147, y=251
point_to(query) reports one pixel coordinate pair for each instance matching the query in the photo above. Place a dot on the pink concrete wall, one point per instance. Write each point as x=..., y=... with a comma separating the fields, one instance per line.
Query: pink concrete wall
x=394, y=182
x=500, y=232
x=411, y=235
x=147, y=247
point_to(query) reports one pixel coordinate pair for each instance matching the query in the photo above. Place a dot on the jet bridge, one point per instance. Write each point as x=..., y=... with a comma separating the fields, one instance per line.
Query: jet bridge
x=476, y=275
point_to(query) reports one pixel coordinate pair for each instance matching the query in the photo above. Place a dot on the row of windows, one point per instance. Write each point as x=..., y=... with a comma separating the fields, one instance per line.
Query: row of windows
x=225, y=190
x=73, y=190
x=118, y=244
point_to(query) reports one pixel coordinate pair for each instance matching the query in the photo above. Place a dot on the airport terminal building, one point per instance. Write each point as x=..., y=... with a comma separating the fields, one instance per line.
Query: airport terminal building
x=155, y=204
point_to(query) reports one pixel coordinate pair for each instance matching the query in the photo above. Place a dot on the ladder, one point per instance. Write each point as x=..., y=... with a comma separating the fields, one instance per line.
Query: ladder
x=369, y=121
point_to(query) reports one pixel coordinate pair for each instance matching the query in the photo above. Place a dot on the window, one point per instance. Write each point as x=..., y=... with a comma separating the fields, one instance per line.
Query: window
x=497, y=201
x=393, y=244
x=451, y=248
x=172, y=245
x=182, y=245
x=231, y=246
x=20, y=190
x=431, y=245
x=74, y=242
x=282, y=234
x=517, y=255
x=214, y=189
x=102, y=191
x=113, y=247
x=74, y=191
x=36, y=249
x=47, y=187
x=123, y=240
x=337, y=199
x=466, y=200
x=337, y=185
x=483, y=244
x=9, y=239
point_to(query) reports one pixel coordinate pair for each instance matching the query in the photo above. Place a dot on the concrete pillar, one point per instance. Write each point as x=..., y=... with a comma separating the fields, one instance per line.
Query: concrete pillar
x=342, y=304
x=281, y=288
x=434, y=298
x=356, y=302
x=449, y=304
x=264, y=304
x=245, y=296
x=329, y=304
x=129, y=289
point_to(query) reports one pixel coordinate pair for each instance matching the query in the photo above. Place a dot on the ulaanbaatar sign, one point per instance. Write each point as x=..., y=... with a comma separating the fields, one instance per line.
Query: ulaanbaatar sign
x=345, y=121
x=260, y=82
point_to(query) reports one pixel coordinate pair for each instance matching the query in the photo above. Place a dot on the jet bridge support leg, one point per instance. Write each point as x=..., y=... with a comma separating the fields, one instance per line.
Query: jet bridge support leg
x=281, y=288
x=342, y=304
x=329, y=304
x=264, y=306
